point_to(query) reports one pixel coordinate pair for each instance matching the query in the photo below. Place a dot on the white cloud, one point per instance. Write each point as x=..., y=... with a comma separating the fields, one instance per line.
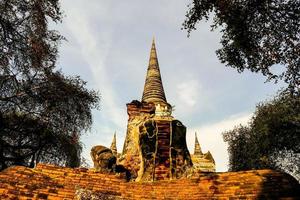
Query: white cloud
x=94, y=48
x=187, y=92
x=210, y=138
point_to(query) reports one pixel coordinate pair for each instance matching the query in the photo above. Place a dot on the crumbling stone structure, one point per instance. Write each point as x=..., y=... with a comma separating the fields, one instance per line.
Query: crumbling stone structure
x=155, y=145
x=103, y=158
x=113, y=146
x=202, y=162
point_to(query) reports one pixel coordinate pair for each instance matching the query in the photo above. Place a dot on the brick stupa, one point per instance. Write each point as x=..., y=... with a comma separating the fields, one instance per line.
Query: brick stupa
x=155, y=145
x=203, y=162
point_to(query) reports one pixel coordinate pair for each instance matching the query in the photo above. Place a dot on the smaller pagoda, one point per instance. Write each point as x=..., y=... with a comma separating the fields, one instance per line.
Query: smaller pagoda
x=202, y=162
x=113, y=146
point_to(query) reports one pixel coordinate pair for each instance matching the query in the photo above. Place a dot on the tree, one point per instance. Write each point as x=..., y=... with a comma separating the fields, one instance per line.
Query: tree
x=271, y=140
x=259, y=35
x=42, y=111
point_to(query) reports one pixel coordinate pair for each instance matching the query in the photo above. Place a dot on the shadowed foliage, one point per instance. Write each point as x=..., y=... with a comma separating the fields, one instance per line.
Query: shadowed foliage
x=271, y=140
x=259, y=35
x=42, y=111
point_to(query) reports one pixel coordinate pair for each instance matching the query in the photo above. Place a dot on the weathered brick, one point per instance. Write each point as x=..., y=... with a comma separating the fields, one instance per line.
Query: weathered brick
x=53, y=183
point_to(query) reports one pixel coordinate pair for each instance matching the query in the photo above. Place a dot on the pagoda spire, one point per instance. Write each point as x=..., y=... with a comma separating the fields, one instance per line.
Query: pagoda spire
x=113, y=146
x=197, y=150
x=153, y=88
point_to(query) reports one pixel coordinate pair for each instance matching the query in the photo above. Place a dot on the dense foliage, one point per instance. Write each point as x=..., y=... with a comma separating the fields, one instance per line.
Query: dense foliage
x=42, y=111
x=260, y=35
x=271, y=140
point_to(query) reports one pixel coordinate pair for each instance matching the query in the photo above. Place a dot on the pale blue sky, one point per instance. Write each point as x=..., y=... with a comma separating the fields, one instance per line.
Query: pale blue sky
x=108, y=46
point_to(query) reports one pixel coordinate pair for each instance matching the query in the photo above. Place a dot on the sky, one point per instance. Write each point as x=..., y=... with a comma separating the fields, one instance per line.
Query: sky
x=108, y=45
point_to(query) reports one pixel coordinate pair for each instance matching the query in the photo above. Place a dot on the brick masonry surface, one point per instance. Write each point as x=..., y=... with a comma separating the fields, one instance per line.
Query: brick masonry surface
x=53, y=182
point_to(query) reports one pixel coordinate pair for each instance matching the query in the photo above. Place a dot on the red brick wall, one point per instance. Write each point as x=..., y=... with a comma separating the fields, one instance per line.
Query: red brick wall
x=162, y=157
x=52, y=182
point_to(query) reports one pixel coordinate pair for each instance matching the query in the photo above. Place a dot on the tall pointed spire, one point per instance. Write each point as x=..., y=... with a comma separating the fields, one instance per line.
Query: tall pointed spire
x=113, y=146
x=153, y=89
x=197, y=150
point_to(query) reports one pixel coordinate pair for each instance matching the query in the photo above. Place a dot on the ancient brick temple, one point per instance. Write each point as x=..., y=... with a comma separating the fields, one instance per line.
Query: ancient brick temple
x=203, y=162
x=155, y=145
x=154, y=149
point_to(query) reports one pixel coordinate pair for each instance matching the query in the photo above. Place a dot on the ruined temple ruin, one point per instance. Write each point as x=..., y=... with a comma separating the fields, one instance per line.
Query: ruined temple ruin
x=154, y=149
x=203, y=162
x=113, y=146
x=155, y=146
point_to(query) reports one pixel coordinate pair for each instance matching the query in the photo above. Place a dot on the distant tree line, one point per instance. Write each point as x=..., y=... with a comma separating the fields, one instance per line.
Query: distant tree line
x=42, y=111
x=270, y=140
